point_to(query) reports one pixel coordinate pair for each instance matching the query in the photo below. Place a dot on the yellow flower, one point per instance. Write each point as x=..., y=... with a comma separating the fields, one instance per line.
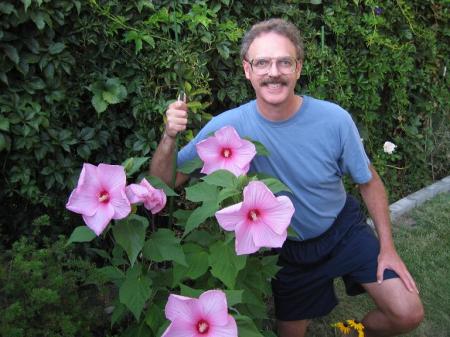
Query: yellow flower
x=343, y=327
x=358, y=326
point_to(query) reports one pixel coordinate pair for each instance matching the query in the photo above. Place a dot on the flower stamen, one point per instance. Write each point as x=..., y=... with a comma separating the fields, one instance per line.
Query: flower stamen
x=202, y=326
x=226, y=153
x=253, y=215
x=103, y=197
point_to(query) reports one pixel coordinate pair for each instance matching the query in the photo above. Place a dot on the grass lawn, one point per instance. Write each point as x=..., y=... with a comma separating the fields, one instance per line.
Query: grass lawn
x=422, y=239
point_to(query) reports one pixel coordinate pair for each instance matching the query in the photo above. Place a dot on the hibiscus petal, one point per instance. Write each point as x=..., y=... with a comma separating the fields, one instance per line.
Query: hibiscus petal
x=258, y=196
x=244, y=239
x=244, y=154
x=264, y=236
x=230, y=165
x=111, y=176
x=230, y=216
x=100, y=220
x=229, y=330
x=89, y=177
x=120, y=202
x=279, y=216
x=83, y=202
x=136, y=193
x=180, y=307
x=214, y=307
x=228, y=136
x=156, y=202
x=181, y=328
x=209, y=149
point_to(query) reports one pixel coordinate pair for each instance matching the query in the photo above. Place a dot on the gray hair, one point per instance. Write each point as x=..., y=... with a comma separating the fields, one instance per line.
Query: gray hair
x=279, y=26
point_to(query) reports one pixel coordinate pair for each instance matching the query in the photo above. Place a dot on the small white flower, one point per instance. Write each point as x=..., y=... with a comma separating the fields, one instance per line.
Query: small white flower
x=389, y=147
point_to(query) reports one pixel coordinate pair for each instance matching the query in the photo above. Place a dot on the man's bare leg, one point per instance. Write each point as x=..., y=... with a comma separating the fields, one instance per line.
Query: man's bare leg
x=292, y=328
x=398, y=312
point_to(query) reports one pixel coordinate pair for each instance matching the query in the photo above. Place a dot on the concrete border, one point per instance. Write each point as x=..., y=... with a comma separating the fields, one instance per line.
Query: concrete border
x=402, y=206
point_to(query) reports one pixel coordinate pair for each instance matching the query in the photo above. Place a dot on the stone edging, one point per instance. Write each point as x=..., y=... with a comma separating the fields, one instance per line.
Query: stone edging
x=402, y=206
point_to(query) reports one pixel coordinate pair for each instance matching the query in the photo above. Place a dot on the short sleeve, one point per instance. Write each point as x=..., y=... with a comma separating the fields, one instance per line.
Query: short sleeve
x=353, y=160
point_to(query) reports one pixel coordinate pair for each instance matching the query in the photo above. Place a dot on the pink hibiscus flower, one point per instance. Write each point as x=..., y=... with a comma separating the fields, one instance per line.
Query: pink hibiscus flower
x=226, y=151
x=261, y=220
x=154, y=199
x=206, y=316
x=100, y=196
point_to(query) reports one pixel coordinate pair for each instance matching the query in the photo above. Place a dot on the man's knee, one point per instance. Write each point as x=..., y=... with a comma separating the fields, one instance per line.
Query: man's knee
x=407, y=317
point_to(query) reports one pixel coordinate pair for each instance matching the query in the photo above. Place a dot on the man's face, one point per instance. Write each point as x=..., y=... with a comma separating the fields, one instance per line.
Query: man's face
x=274, y=87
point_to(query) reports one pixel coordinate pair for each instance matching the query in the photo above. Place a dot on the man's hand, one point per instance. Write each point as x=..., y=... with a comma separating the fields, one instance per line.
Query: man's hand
x=177, y=120
x=389, y=259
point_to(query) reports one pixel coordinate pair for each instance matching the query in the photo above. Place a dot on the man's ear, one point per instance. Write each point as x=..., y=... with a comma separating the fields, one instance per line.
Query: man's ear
x=247, y=69
x=299, y=69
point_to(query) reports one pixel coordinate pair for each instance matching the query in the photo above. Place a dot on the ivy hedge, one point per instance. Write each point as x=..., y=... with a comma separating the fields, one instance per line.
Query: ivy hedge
x=89, y=81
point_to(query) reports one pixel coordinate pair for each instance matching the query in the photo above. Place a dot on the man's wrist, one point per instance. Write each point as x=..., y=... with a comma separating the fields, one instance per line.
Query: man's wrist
x=166, y=136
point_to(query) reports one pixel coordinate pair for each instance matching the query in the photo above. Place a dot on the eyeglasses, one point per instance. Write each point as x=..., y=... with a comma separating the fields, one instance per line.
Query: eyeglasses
x=262, y=65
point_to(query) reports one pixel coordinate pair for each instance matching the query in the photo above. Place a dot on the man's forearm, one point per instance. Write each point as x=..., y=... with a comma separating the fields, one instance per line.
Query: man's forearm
x=375, y=198
x=162, y=162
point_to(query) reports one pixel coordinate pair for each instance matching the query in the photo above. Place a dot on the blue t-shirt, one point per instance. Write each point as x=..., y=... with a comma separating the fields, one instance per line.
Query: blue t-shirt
x=309, y=152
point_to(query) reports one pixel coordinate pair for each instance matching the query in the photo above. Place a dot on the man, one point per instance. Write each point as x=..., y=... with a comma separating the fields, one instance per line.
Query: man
x=312, y=144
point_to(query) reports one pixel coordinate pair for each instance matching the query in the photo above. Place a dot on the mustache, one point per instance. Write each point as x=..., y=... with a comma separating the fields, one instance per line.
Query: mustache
x=275, y=80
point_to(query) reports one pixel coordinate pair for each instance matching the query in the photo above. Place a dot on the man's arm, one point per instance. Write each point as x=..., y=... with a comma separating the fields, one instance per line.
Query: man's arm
x=162, y=164
x=374, y=196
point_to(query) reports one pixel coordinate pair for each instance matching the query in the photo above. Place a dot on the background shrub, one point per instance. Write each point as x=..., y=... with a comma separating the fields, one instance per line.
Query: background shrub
x=43, y=293
x=89, y=81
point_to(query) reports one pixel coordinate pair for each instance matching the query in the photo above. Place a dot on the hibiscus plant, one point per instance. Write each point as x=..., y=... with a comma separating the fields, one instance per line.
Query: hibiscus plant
x=209, y=273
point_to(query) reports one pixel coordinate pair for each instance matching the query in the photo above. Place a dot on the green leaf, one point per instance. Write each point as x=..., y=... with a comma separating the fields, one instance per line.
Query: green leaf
x=190, y=166
x=130, y=235
x=6, y=8
x=197, y=264
x=246, y=327
x=275, y=185
x=4, y=78
x=261, y=150
x=201, y=192
x=223, y=50
x=155, y=317
x=149, y=40
x=110, y=274
x=4, y=124
x=26, y=4
x=315, y=2
x=118, y=313
x=133, y=164
x=163, y=245
x=56, y=48
x=221, y=178
x=225, y=264
x=135, y=291
x=12, y=53
x=182, y=216
x=38, y=19
x=115, y=92
x=190, y=292
x=233, y=296
x=200, y=214
x=158, y=183
x=99, y=104
x=5, y=142
x=227, y=193
x=81, y=234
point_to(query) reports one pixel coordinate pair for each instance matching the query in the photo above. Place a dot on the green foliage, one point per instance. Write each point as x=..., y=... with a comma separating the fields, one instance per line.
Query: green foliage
x=42, y=293
x=148, y=262
x=89, y=80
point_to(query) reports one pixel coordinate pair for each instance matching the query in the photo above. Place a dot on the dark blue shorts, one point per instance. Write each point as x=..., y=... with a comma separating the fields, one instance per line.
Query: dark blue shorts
x=303, y=288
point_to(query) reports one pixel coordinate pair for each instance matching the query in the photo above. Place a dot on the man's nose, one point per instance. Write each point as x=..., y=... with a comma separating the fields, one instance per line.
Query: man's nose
x=273, y=69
